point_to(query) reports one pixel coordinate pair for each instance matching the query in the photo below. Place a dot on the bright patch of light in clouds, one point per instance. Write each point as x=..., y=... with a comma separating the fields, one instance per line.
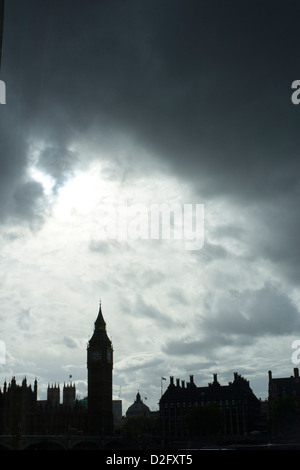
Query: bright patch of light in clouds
x=59, y=273
x=80, y=195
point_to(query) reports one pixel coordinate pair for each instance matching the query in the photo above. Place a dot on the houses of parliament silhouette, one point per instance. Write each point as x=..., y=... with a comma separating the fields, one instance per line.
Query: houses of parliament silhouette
x=22, y=413
x=185, y=410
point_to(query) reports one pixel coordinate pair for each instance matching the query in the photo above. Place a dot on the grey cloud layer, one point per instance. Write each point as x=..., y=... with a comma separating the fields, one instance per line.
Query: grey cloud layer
x=203, y=86
x=206, y=85
x=240, y=318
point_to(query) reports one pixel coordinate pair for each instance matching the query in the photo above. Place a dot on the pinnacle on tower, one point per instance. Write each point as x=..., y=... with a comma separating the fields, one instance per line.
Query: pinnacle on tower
x=100, y=322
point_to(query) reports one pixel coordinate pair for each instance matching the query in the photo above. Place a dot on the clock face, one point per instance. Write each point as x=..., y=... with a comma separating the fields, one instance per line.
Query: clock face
x=96, y=355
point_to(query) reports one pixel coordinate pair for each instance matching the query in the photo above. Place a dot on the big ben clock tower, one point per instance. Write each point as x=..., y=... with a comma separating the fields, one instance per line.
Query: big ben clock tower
x=100, y=365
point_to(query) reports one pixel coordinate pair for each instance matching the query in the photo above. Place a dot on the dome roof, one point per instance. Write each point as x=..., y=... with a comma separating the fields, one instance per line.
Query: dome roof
x=138, y=408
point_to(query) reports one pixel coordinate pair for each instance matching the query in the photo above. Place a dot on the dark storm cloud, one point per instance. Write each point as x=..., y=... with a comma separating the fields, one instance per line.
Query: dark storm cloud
x=58, y=162
x=254, y=313
x=20, y=197
x=239, y=319
x=27, y=198
x=207, y=347
x=12, y=165
x=203, y=85
x=277, y=236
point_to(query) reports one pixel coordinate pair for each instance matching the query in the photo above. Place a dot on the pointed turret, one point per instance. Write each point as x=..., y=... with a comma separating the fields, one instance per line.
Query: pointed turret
x=100, y=334
x=100, y=322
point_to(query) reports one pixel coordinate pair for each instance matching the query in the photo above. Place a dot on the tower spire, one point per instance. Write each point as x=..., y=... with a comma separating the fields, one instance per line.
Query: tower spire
x=100, y=333
x=100, y=322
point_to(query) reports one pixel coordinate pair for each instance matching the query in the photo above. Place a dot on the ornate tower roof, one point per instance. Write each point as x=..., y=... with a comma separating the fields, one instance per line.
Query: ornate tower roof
x=100, y=323
x=100, y=334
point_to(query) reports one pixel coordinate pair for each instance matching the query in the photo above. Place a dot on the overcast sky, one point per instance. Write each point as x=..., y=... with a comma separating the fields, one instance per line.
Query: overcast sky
x=144, y=102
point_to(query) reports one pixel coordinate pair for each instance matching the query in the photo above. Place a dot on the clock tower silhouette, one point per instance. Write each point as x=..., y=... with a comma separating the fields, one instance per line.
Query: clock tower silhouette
x=100, y=366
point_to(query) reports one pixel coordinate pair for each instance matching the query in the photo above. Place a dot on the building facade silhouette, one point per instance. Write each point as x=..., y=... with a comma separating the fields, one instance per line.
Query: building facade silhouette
x=21, y=413
x=233, y=409
x=238, y=409
x=282, y=387
x=284, y=404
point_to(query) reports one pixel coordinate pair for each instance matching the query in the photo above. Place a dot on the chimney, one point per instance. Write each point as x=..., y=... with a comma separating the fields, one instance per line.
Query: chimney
x=183, y=384
x=171, y=380
x=177, y=382
x=270, y=375
x=296, y=373
x=191, y=379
